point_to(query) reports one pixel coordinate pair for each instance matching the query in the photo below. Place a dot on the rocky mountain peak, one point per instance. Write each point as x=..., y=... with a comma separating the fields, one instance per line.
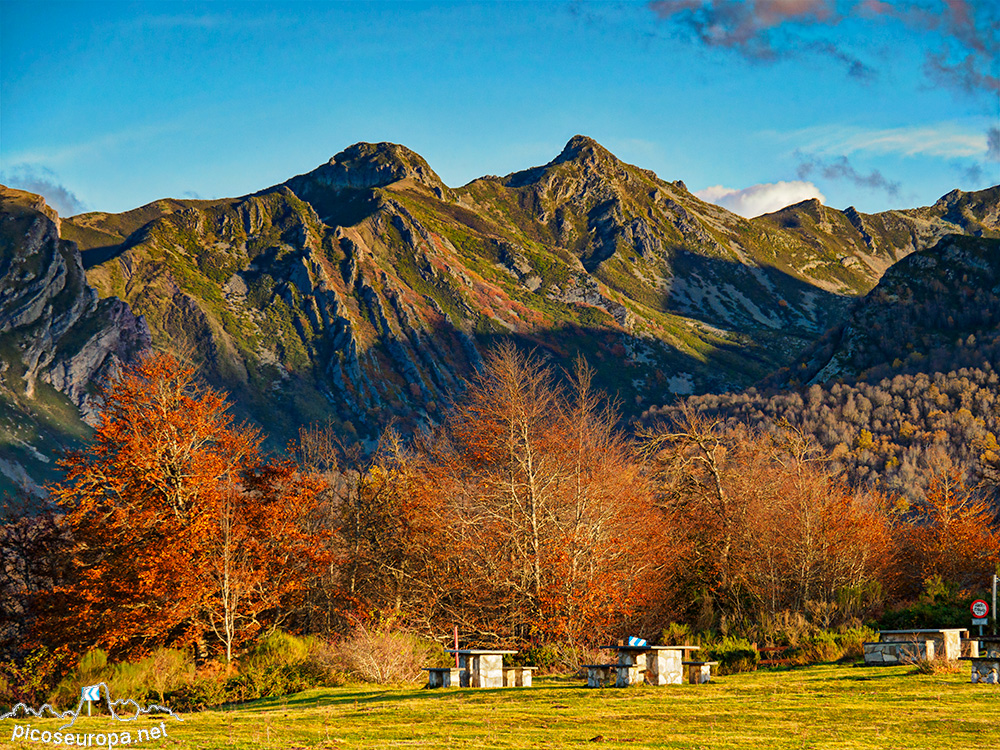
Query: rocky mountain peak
x=13, y=199
x=582, y=147
x=372, y=165
x=586, y=159
x=588, y=155
x=363, y=166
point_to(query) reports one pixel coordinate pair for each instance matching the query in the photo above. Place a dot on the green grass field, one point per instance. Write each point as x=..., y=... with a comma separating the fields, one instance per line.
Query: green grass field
x=832, y=706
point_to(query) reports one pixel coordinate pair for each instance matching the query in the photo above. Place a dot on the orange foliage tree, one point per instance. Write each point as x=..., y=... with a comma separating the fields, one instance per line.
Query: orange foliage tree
x=951, y=534
x=762, y=525
x=178, y=527
x=547, y=518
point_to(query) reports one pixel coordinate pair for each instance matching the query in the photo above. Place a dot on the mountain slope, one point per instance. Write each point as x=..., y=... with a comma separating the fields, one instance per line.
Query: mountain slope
x=57, y=339
x=364, y=290
x=936, y=310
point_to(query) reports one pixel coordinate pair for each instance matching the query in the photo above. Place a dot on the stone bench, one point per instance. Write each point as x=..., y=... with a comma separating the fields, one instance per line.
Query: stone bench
x=898, y=652
x=600, y=675
x=985, y=669
x=443, y=677
x=517, y=676
x=699, y=672
x=619, y=675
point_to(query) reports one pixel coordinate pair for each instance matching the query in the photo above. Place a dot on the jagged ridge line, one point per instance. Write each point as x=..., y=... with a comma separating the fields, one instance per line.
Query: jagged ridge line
x=79, y=707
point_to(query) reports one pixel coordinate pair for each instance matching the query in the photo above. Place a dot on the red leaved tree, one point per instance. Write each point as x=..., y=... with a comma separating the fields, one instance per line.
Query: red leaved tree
x=174, y=518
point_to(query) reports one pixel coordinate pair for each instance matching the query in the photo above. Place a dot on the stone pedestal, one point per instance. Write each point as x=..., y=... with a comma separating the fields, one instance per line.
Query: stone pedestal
x=985, y=671
x=487, y=671
x=898, y=652
x=664, y=668
x=600, y=675
x=629, y=675
x=444, y=677
x=517, y=676
x=699, y=674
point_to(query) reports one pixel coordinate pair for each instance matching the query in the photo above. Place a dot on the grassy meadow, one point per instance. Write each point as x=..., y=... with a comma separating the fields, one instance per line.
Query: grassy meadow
x=827, y=706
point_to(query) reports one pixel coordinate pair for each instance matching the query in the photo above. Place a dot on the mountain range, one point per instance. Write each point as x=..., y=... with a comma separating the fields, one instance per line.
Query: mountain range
x=363, y=292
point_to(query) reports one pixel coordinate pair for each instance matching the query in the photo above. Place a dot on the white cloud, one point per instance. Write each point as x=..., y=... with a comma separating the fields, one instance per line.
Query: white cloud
x=761, y=199
x=46, y=183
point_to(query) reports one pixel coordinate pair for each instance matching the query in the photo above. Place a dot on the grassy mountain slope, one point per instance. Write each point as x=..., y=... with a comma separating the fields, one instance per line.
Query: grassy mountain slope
x=363, y=290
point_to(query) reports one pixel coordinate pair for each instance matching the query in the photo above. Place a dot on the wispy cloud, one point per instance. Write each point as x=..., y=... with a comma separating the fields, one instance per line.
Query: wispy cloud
x=965, y=34
x=840, y=168
x=761, y=199
x=100, y=146
x=45, y=183
x=946, y=140
x=762, y=30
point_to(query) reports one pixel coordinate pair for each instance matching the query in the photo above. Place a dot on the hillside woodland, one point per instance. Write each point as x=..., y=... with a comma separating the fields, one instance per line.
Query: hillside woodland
x=906, y=387
x=526, y=518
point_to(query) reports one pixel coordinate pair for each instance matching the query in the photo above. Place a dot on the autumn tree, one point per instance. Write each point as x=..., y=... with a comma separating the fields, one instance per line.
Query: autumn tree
x=382, y=528
x=763, y=526
x=951, y=534
x=174, y=518
x=545, y=511
x=34, y=551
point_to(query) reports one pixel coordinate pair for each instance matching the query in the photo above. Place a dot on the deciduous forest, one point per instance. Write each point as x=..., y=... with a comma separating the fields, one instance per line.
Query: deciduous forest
x=528, y=517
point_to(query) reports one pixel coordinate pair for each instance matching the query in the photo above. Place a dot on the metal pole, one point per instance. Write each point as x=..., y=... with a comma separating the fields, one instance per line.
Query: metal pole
x=994, y=605
x=456, y=642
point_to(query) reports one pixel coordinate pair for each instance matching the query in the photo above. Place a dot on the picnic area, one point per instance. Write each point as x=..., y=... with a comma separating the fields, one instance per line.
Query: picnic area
x=826, y=706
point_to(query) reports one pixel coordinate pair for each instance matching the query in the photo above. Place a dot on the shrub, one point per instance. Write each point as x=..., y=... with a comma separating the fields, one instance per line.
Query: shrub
x=276, y=650
x=546, y=659
x=852, y=640
x=30, y=680
x=821, y=646
x=148, y=679
x=940, y=666
x=734, y=655
x=679, y=634
x=570, y=659
x=383, y=655
x=200, y=693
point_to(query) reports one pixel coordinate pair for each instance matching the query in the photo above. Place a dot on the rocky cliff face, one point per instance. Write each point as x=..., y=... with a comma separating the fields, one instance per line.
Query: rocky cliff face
x=55, y=332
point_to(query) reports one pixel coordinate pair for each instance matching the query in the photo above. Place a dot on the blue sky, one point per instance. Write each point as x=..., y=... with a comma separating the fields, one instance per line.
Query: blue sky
x=107, y=106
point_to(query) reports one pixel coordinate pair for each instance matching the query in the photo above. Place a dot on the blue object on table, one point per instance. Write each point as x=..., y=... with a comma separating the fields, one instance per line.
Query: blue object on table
x=634, y=641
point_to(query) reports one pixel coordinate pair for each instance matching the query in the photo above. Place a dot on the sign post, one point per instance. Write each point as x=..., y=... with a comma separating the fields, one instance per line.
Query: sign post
x=980, y=610
x=91, y=693
x=994, y=605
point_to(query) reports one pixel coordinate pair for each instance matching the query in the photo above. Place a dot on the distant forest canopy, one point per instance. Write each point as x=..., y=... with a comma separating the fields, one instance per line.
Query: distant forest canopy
x=894, y=433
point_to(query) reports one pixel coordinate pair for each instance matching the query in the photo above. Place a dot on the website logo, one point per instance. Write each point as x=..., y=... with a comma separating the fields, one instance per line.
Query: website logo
x=123, y=710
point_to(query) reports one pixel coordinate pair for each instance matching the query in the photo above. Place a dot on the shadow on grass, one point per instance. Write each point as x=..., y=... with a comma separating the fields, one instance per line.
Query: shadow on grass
x=322, y=697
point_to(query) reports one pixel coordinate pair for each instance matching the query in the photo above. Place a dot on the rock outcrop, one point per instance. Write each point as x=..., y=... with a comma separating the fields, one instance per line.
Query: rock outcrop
x=51, y=320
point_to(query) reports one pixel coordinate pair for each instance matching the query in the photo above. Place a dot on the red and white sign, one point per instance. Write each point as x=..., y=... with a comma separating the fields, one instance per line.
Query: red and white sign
x=980, y=608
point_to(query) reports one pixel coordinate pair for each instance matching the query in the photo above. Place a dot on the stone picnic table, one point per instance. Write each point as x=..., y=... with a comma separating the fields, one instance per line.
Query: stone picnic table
x=479, y=668
x=915, y=644
x=657, y=665
x=985, y=658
